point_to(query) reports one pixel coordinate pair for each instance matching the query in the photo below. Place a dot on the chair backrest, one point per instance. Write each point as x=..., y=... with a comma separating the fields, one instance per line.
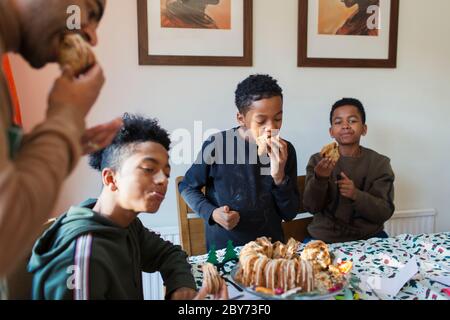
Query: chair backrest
x=192, y=230
x=297, y=229
x=20, y=281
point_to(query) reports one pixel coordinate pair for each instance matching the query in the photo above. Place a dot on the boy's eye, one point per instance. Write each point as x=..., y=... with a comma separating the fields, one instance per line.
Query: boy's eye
x=278, y=120
x=94, y=12
x=148, y=170
x=93, y=15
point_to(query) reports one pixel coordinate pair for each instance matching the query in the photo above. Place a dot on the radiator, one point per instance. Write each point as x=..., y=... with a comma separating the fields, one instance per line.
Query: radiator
x=411, y=222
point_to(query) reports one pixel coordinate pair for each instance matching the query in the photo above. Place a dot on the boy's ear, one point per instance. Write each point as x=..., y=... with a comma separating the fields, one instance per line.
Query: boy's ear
x=240, y=118
x=109, y=180
x=364, y=130
x=331, y=134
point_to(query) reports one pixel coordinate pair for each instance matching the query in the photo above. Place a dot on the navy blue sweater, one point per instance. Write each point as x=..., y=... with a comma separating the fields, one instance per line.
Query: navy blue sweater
x=233, y=174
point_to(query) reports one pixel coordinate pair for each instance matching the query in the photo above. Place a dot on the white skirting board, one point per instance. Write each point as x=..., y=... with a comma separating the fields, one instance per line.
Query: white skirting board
x=410, y=221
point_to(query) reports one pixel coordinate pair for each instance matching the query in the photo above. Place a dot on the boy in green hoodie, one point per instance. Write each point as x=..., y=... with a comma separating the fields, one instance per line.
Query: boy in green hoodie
x=97, y=250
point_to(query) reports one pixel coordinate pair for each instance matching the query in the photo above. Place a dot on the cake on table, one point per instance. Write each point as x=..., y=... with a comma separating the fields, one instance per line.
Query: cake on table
x=275, y=268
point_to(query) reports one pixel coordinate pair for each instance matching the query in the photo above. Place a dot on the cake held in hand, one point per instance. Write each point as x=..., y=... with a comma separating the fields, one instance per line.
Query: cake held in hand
x=331, y=151
x=76, y=53
x=211, y=279
x=262, y=142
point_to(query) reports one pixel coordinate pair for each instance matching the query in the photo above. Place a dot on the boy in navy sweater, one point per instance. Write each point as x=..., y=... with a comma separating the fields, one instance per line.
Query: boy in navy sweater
x=249, y=173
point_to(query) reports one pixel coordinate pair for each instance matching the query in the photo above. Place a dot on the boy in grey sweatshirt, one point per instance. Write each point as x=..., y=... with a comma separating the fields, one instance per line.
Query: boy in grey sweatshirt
x=352, y=198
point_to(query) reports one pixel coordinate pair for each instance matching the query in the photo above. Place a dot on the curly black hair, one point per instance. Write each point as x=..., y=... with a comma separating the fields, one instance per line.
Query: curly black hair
x=349, y=102
x=136, y=129
x=256, y=87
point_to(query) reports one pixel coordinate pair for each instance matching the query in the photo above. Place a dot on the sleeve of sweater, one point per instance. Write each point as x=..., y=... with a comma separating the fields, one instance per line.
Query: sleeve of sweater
x=315, y=196
x=86, y=277
x=195, y=179
x=377, y=203
x=30, y=182
x=170, y=260
x=286, y=195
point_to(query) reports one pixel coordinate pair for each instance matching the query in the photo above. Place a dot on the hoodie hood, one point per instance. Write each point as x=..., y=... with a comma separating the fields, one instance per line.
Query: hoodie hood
x=79, y=220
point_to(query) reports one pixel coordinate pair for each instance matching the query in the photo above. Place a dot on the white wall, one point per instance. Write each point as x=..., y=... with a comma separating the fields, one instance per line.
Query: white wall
x=408, y=108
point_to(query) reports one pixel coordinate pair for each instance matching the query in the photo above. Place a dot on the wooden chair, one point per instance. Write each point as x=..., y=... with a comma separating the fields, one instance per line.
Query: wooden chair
x=192, y=230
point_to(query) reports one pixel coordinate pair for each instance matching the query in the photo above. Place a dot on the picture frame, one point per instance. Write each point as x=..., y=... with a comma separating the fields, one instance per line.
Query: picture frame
x=333, y=36
x=171, y=33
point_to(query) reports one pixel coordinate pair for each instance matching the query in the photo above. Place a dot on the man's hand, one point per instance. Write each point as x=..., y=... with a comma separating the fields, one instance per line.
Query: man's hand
x=278, y=153
x=80, y=93
x=100, y=136
x=183, y=294
x=222, y=295
x=226, y=218
x=324, y=168
x=347, y=187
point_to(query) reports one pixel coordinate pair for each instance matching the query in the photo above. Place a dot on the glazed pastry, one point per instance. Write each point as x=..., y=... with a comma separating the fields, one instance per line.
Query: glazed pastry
x=331, y=151
x=278, y=267
x=76, y=53
x=274, y=266
x=211, y=278
x=317, y=253
x=262, y=141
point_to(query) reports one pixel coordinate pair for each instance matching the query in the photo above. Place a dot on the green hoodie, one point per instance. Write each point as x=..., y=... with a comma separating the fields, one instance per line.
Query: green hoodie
x=83, y=255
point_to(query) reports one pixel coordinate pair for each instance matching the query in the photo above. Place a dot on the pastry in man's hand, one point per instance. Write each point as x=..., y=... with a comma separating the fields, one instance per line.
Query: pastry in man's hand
x=331, y=151
x=76, y=53
x=211, y=279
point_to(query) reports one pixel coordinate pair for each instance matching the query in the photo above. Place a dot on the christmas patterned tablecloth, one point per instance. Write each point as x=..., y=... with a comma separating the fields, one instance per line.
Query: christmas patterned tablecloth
x=383, y=259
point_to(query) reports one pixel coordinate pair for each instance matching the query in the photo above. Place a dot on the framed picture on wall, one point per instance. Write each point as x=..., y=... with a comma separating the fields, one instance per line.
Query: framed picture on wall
x=348, y=33
x=195, y=32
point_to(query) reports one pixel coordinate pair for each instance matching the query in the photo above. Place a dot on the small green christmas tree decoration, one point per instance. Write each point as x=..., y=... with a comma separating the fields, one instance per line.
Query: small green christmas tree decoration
x=230, y=254
x=212, y=256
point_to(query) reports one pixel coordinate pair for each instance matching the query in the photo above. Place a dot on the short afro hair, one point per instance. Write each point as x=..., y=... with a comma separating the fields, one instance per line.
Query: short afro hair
x=349, y=102
x=254, y=88
x=136, y=129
